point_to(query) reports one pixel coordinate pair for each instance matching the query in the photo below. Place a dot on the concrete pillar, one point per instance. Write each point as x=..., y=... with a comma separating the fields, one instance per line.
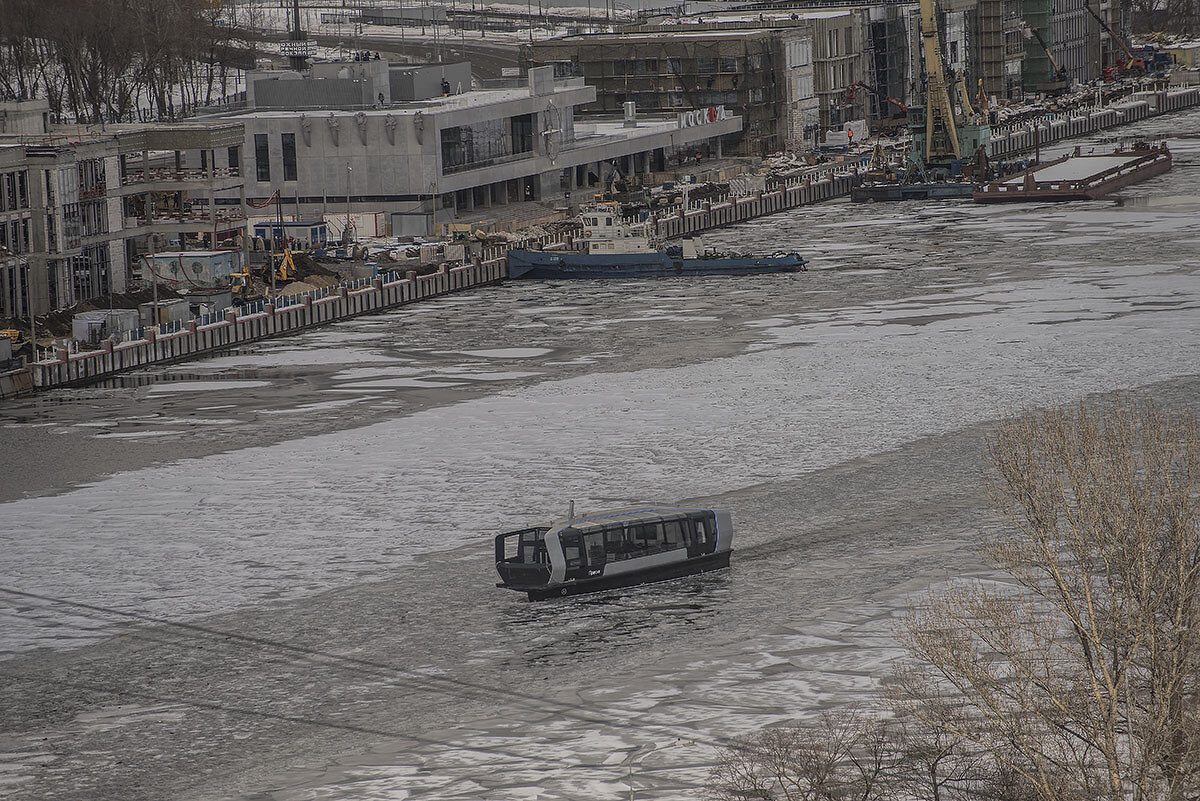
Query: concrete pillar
x=212, y=196
x=245, y=230
x=37, y=275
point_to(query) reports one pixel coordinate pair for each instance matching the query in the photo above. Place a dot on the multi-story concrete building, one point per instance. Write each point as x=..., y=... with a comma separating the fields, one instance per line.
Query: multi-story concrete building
x=790, y=73
x=892, y=44
x=1000, y=49
x=16, y=230
x=430, y=148
x=83, y=202
x=1080, y=45
x=1074, y=39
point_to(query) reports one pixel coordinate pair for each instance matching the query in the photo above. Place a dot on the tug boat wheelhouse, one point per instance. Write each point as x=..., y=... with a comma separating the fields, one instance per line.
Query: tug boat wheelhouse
x=613, y=549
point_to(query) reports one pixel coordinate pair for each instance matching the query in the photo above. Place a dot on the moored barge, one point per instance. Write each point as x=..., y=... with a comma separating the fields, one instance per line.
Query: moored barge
x=1080, y=176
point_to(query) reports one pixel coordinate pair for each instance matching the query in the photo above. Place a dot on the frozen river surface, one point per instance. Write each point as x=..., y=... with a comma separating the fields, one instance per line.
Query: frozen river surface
x=268, y=574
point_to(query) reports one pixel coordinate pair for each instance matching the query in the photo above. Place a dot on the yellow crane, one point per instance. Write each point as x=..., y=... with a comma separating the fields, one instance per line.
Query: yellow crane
x=944, y=138
x=941, y=131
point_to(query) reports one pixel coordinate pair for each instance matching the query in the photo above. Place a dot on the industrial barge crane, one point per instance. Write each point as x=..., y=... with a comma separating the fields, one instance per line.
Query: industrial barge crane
x=945, y=139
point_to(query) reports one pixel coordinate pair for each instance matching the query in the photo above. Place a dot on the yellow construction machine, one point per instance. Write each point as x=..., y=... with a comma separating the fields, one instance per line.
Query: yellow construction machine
x=283, y=265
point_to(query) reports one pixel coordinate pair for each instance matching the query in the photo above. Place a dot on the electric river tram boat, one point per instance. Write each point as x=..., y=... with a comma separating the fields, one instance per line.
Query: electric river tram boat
x=613, y=549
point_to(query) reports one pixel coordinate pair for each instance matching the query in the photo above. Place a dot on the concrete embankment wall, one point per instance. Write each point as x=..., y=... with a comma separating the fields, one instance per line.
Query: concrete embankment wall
x=15, y=382
x=1010, y=141
x=237, y=329
x=310, y=310
x=732, y=210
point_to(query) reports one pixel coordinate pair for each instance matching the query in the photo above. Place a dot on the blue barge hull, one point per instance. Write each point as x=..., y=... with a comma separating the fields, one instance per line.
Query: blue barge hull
x=548, y=264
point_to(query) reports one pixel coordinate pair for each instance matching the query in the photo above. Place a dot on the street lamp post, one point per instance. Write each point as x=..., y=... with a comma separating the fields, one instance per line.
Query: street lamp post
x=346, y=233
x=32, y=318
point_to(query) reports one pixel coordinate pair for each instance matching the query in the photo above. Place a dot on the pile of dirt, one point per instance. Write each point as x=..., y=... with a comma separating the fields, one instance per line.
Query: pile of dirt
x=308, y=284
x=307, y=267
x=58, y=323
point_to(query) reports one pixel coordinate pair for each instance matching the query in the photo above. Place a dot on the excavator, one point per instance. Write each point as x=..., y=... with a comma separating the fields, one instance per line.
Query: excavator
x=886, y=98
x=242, y=282
x=1132, y=65
x=283, y=265
x=1061, y=82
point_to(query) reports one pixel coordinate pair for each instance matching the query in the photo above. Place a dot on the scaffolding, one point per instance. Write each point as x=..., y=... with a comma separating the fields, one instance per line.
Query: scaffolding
x=670, y=74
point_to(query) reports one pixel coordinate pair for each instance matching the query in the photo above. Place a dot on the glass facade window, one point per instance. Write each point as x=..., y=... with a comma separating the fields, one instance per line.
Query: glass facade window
x=262, y=158
x=235, y=159
x=289, y=156
x=480, y=144
x=522, y=133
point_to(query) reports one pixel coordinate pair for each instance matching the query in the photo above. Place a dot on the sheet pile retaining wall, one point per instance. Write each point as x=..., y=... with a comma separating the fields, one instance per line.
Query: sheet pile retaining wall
x=238, y=329
x=836, y=181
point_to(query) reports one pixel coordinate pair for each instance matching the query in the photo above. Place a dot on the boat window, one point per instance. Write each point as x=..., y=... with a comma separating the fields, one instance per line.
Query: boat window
x=572, y=549
x=614, y=541
x=673, y=534
x=703, y=531
x=608, y=220
x=593, y=546
x=533, y=547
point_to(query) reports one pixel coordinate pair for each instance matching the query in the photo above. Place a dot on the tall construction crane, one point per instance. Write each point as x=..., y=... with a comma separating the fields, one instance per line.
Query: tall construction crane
x=941, y=138
x=941, y=131
x=1061, y=81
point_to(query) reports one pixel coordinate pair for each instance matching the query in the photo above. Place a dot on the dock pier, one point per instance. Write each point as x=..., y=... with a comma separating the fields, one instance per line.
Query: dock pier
x=1079, y=176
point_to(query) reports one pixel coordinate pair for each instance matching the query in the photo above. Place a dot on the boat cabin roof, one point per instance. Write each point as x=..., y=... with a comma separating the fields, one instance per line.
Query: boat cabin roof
x=641, y=514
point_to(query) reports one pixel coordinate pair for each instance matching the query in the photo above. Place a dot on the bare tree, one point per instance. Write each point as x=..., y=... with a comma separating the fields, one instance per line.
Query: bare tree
x=96, y=60
x=1080, y=677
x=844, y=756
x=1072, y=676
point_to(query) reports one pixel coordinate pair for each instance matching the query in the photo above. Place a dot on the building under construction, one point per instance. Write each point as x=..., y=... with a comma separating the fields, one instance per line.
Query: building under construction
x=791, y=75
x=999, y=48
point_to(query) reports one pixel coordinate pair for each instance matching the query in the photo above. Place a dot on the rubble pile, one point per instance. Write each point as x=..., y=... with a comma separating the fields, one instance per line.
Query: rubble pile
x=58, y=323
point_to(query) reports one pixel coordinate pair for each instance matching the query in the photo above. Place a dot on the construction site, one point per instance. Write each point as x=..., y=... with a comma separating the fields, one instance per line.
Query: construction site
x=897, y=101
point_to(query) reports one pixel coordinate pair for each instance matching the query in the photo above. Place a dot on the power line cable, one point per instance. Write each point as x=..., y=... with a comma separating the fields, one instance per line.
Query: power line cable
x=443, y=684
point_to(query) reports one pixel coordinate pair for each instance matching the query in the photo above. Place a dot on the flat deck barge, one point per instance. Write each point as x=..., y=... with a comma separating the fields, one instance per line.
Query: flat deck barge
x=1079, y=176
